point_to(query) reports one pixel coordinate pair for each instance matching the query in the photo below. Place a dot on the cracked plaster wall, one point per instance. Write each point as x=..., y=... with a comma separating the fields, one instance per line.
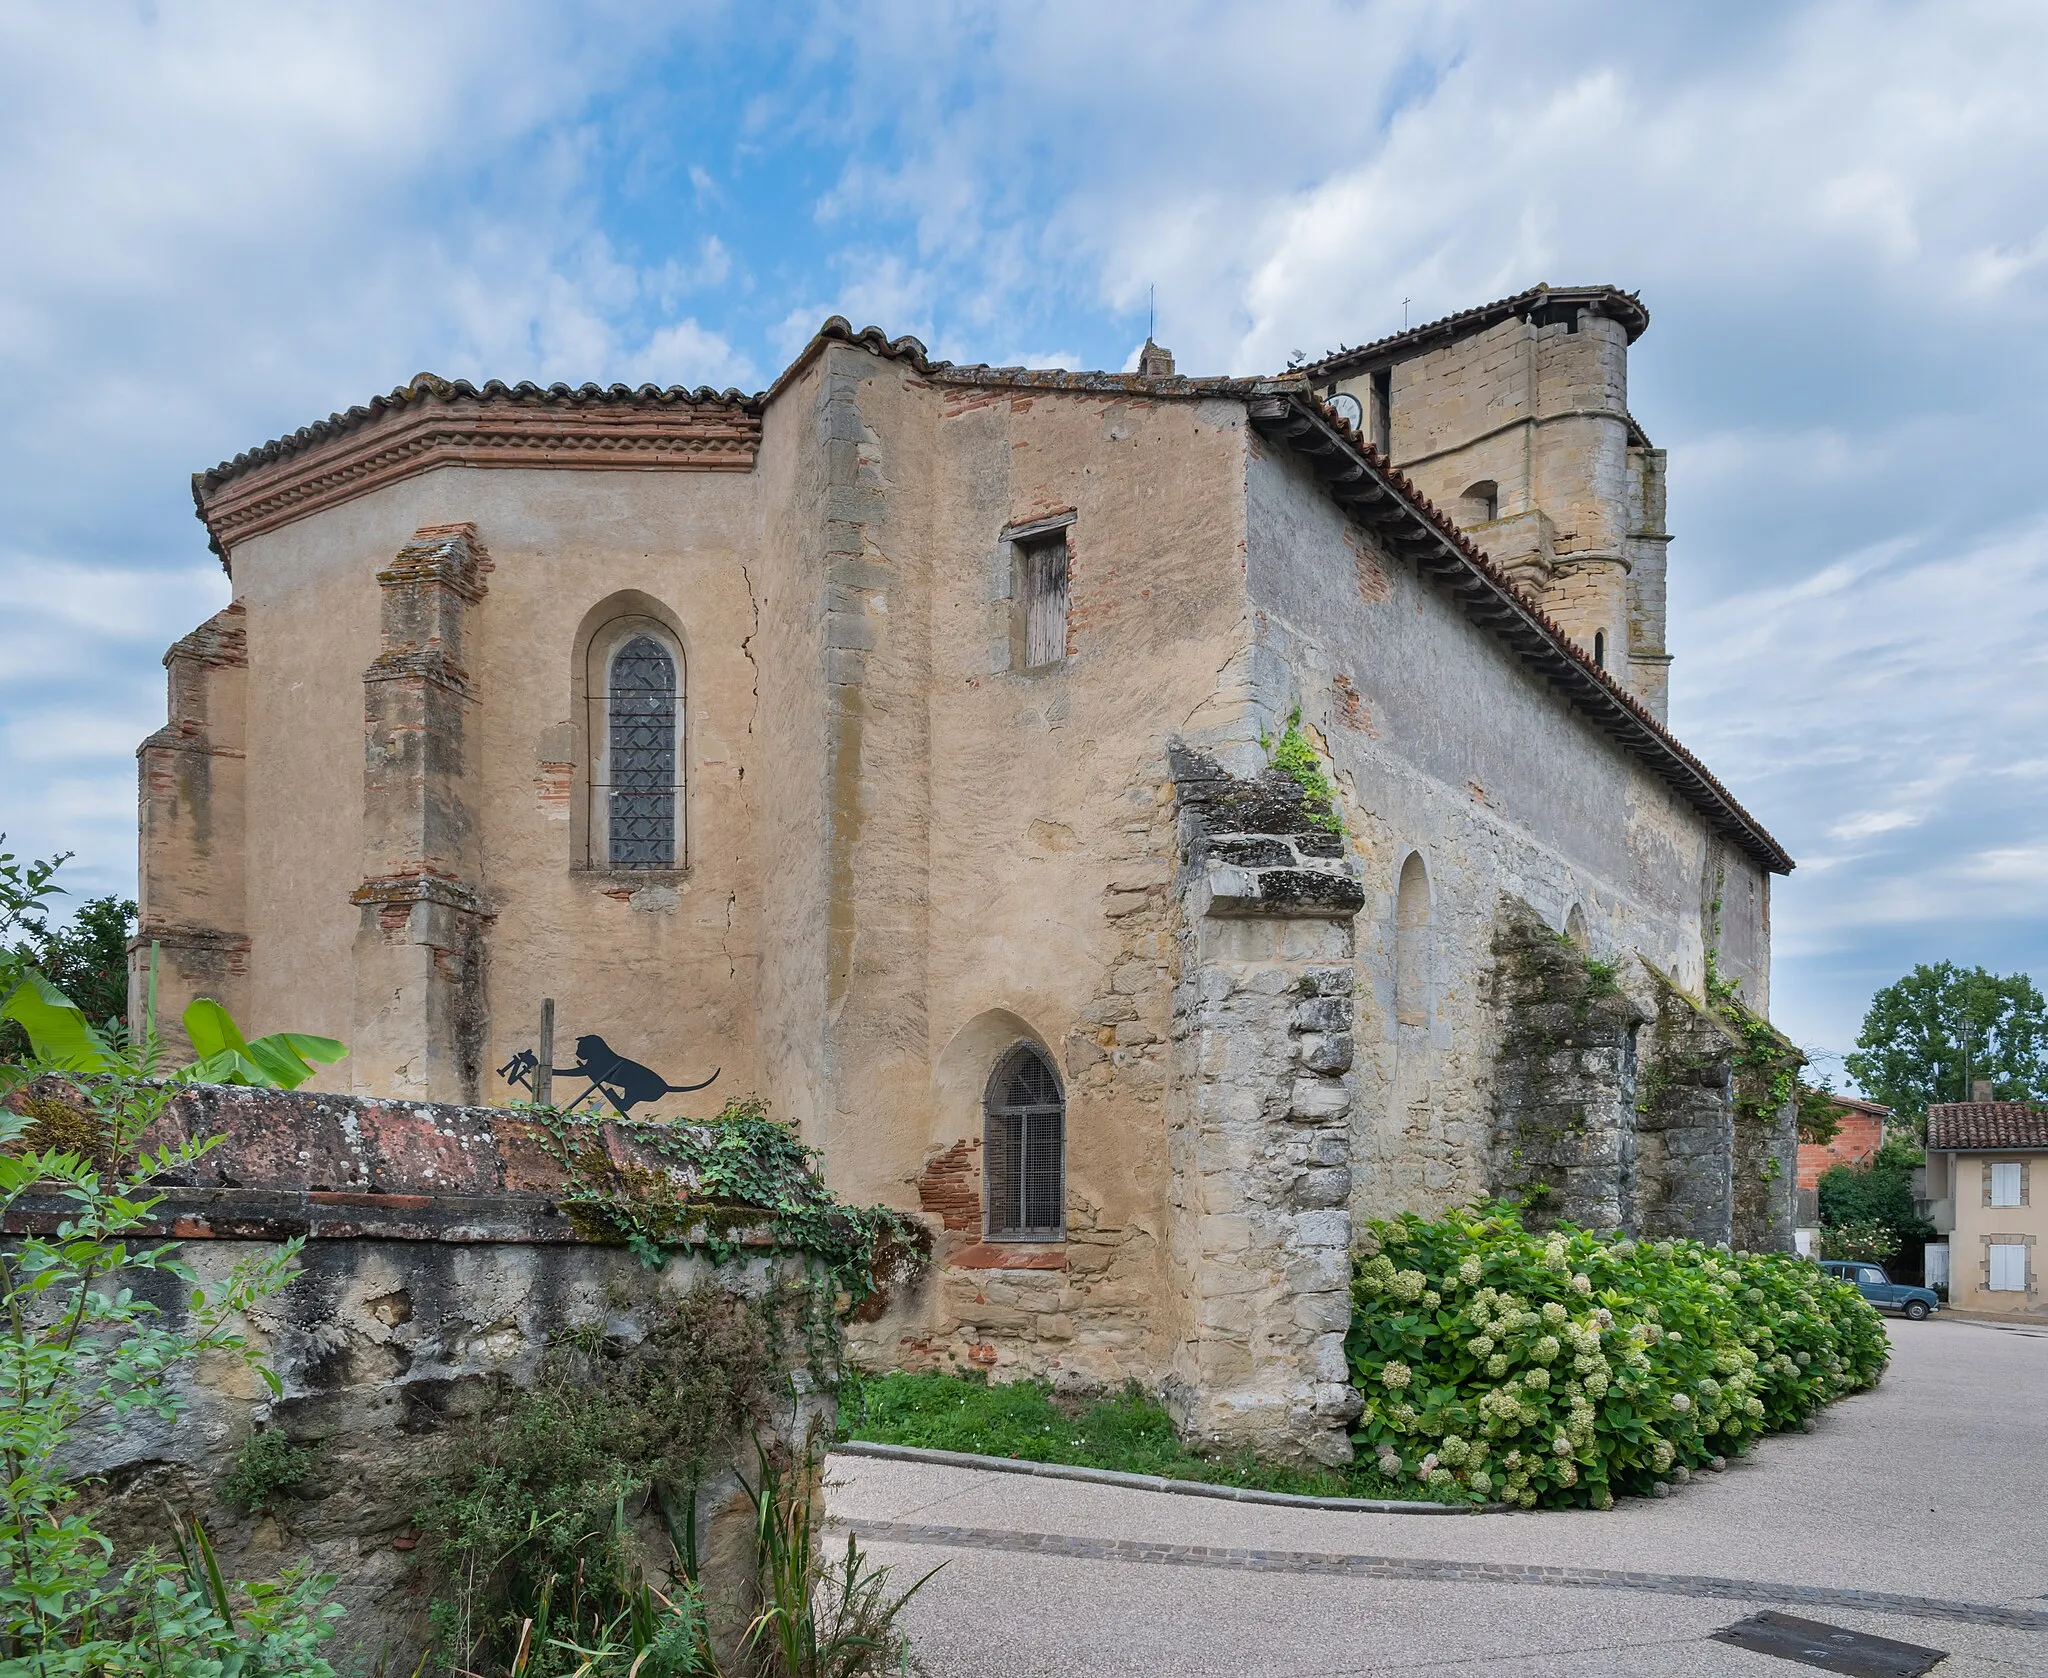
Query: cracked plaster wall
x=664, y=967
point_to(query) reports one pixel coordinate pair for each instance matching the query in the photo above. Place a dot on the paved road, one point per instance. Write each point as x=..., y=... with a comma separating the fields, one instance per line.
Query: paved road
x=1934, y=1487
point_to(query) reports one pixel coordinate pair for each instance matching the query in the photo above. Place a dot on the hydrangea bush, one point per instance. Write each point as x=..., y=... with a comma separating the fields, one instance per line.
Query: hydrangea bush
x=1567, y=1368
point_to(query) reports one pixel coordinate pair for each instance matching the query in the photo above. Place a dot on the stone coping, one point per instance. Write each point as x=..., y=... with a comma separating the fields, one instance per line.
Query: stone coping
x=213, y=1214
x=1153, y=1482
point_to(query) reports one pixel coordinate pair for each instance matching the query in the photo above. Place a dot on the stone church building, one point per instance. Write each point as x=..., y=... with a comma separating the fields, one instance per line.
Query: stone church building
x=894, y=743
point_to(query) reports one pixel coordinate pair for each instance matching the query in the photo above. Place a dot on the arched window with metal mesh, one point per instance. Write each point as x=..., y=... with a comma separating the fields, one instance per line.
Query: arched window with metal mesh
x=1024, y=1169
x=642, y=718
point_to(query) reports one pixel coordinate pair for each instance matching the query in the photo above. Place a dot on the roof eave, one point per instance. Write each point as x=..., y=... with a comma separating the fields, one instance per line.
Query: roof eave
x=1382, y=500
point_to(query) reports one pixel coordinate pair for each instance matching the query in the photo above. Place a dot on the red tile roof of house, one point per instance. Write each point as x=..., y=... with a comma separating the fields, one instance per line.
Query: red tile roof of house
x=1975, y=1126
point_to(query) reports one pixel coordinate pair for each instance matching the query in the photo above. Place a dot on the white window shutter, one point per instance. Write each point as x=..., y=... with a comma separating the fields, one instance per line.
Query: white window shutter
x=2005, y=1183
x=2008, y=1267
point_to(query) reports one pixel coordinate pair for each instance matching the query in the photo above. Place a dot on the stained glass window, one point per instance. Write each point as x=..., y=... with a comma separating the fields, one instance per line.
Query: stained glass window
x=1024, y=1168
x=640, y=738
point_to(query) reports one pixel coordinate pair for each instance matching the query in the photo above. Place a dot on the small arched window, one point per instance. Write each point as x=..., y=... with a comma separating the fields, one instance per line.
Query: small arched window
x=1411, y=943
x=1024, y=1171
x=1600, y=648
x=636, y=791
x=1480, y=504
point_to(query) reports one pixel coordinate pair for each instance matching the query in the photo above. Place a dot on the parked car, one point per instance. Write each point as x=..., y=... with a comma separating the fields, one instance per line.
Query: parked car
x=1874, y=1285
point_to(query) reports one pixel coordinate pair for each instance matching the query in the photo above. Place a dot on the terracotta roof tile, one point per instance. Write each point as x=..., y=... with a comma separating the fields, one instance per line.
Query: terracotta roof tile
x=1624, y=306
x=1975, y=1125
x=425, y=385
x=1514, y=615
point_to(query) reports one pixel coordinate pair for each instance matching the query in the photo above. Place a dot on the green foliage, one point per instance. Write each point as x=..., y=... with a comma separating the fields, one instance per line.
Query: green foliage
x=64, y=1038
x=81, y=1355
x=1295, y=758
x=1873, y=1195
x=266, y=1465
x=1766, y=1064
x=1569, y=1368
x=729, y=1171
x=535, y=1517
x=1129, y=1432
x=817, y=1621
x=1861, y=1240
x=1931, y=1035
x=1819, y=1118
x=87, y=960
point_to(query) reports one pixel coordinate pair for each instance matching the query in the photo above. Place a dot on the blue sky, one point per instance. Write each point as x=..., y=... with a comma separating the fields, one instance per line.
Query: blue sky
x=225, y=221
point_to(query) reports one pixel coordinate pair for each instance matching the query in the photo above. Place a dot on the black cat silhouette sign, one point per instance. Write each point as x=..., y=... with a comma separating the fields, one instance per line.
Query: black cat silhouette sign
x=626, y=1084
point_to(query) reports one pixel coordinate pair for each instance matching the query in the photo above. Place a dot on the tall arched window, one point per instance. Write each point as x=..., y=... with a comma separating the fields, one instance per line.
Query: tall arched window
x=1411, y=943
x=636, y=785
x=1024, y=1170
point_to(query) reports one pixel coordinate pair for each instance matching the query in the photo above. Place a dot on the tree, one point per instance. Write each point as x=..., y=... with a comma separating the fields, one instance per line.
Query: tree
x=1929, y=1037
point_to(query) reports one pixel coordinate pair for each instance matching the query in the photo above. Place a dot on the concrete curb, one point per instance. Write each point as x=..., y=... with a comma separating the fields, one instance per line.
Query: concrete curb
x=1153, y=1482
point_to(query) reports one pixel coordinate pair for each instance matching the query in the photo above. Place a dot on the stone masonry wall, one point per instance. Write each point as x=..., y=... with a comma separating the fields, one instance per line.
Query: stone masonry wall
x=1564, y=1138
x=436, y=1273
x=1259, y=1145
x=1685, y=1123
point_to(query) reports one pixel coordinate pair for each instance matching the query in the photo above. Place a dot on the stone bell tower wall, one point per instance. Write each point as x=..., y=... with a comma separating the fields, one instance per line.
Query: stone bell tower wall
x=1536, y=407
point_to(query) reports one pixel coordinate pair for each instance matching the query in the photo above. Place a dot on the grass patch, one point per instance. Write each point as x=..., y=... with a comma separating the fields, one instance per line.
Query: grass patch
x=1025, y=1420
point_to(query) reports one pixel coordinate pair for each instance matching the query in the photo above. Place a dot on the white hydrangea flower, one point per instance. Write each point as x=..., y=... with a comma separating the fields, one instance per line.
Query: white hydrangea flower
x=1396, y=1374
x=1680, y=1403
x=1431, y=1300
x=1496, y=1366
x=1390, y=1465
x=1546, y=1349
x=1561, y=1446
x=1536, y=1379
x=1480, y=1345
x=1409, y=1284
x=1582, y=1283
x=1469, y=1271
x=1554, y=1313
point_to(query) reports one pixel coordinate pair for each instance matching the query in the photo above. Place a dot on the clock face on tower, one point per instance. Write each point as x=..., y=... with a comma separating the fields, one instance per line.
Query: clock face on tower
x=1349, y=409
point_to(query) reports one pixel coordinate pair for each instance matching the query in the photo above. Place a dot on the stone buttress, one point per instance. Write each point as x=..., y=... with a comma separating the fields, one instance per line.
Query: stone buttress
x=192, y=773
x=1259, y=1133
x=419, y=954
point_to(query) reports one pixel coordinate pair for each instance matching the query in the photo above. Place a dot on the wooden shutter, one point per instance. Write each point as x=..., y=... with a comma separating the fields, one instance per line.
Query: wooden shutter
x=2005, y=1183
x=1045, y=601
x=2008, y=1267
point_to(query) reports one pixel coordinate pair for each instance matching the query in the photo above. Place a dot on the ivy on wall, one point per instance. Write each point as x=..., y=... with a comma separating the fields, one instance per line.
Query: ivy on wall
x=719, y=1180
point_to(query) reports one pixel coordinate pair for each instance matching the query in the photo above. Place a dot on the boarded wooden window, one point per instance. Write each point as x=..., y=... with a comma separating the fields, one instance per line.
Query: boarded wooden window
x=1024, y=1154
x=2008, y=1267
x=1042, y=579
x=2005, y=1183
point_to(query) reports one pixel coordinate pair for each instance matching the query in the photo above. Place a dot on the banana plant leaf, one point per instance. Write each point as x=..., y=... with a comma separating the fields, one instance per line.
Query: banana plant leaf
x=283, y=1060
x=57, y=1027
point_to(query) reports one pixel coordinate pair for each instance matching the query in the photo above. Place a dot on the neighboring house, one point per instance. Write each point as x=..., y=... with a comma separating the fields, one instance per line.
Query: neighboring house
x=1985, y=1163
x=891, y=740
x=1858, y=1136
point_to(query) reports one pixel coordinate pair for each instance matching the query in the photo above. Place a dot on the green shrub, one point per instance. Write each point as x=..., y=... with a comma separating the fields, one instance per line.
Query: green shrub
x=1566, y=1368
x=1875, y=1242
x=266, y=1464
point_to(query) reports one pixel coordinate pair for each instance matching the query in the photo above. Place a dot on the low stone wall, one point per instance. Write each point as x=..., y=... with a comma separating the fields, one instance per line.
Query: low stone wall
x=436, y=1274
